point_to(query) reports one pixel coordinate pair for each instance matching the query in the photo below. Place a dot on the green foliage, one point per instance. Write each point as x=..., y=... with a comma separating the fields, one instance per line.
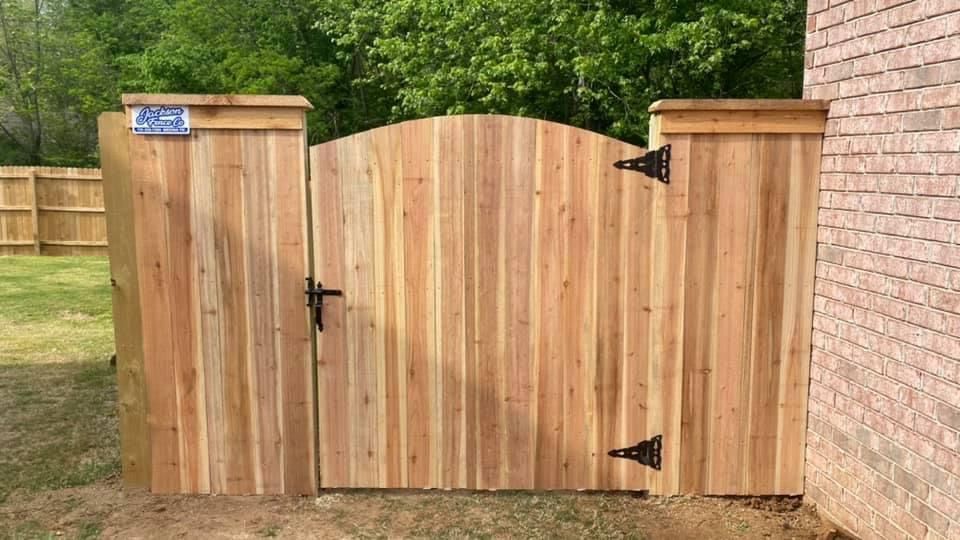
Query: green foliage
x=597, y=64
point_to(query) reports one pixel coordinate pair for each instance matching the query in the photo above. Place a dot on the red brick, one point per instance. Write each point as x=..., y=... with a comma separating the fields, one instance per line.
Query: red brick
x=853, y=87
x=911, y=292
x=951, y=118
x=924, y=76
x=895, y=225
x=913, y=206
x=922, y=360
x=858, y=8
x=900, y=143
x=834, y=147
x=887, y=4
x=929, y=274
x=868, y=65
x=827, y=91
x=933, y=519
x=927, y=31
x=946, y=345
x=886, y=82
x=904, y=332
x=831, y=17
x=943, y=254
x=913, y=526
x=951, y=70
x=879, y=164
x=949, y=416
x=841, y=33
x=890, y=307
x=937, y=432
x=907, y=14
x=942, y=390
x=932, y=8
x=947, y=209
x=914, y=164
x=871, y=25
x=864, y=183
x=941, y=141
x=885, y=204
x=902, y=247
x=938, y=98
x=928, y=319
x=947, y=301
x=869, y=320
x=903, y=101
x=941, y=186
x=838, y=72
x=829, y=55
x=896, y=184
x=917, y=401
x=922, y=121
x=931, y=230
x=816, y=6
x=949, y=506
x=903, y=58
x=891, y=266
x=948, y=164
x=941, y=51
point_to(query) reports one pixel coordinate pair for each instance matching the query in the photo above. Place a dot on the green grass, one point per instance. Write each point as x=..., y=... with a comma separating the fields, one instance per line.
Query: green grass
x=58, y=425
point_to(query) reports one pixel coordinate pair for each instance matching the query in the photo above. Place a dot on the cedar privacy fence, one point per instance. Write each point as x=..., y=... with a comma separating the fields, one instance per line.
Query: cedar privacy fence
x=51, y=211
x=506, y=303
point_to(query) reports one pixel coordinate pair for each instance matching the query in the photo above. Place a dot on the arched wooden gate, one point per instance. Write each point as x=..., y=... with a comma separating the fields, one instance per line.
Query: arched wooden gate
x=514, y=307
x=501, y=307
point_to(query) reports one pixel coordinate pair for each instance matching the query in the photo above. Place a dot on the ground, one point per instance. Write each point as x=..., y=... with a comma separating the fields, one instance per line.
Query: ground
x=59, y=464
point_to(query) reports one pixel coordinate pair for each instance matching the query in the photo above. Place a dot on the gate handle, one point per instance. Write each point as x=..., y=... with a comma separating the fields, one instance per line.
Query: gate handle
x=315, y=296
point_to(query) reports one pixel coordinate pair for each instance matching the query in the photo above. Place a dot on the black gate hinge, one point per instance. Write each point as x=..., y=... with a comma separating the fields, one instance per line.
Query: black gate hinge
x=315, y=294
x=645, y=452
x=655, y=164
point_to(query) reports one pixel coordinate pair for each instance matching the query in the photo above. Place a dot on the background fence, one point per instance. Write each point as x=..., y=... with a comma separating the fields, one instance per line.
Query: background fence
x=52, y=211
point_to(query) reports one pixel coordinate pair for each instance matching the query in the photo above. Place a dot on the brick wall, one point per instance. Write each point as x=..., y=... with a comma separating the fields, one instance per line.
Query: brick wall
x=882, y=454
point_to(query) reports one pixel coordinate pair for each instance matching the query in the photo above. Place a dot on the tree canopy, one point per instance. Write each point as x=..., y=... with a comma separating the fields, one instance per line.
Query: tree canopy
x=595, y=64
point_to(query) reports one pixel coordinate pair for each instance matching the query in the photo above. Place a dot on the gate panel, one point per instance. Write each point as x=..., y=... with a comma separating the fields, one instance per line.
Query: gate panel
x=495, y=328
x=220, y=224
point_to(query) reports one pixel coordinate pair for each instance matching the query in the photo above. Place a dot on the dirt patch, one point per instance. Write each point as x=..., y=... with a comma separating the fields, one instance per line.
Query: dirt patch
x=104, y=509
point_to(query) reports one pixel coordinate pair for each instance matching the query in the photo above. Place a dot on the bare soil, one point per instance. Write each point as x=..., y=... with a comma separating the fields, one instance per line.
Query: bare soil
x=103, y=509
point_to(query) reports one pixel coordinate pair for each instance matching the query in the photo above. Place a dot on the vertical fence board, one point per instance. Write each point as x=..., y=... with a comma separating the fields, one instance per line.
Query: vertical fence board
x=220, y=218
x=51, y=211
x=131, y=386
x=554, y=308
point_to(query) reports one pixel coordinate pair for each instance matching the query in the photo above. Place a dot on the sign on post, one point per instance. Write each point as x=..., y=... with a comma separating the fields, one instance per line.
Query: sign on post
x=161, y=120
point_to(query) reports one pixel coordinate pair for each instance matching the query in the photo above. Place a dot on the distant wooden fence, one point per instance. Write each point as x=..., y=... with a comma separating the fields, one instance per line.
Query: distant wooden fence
x=52, y=211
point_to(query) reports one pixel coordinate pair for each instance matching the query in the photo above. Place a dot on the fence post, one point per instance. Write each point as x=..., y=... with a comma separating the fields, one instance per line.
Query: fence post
x=34, y=209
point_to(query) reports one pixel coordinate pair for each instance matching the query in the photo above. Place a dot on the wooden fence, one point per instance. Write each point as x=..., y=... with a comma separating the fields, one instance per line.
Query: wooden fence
x=52, y=211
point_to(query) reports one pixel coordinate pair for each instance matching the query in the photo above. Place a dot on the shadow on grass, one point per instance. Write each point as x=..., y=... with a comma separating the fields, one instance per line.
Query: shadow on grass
x=58, y=426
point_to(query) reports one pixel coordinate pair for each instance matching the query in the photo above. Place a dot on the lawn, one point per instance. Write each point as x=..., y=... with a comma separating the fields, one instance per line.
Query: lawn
x=59, y=464
x=58, y=425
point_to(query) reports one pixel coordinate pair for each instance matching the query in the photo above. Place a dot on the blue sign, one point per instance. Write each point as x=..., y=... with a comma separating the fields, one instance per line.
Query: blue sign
x=161, y=120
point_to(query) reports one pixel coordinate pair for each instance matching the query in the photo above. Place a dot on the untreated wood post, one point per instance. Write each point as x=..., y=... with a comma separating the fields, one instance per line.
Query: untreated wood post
x=34, y=210
x=208, y=221
x=127, y=329
x=738, y=230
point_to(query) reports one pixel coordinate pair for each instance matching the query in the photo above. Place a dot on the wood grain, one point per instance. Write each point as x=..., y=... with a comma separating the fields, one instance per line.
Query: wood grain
x=484, y=266
x=125, y=292
x=544, y=307
x=221, y=252
x=59, y=210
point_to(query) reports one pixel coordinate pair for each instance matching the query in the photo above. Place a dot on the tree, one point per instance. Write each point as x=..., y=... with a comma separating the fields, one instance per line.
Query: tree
x=595, y=64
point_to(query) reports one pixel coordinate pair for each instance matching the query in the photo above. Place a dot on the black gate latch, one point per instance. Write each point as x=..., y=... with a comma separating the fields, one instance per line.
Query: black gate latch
x=315, y=296
x=644, y=452
x=655, y=164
